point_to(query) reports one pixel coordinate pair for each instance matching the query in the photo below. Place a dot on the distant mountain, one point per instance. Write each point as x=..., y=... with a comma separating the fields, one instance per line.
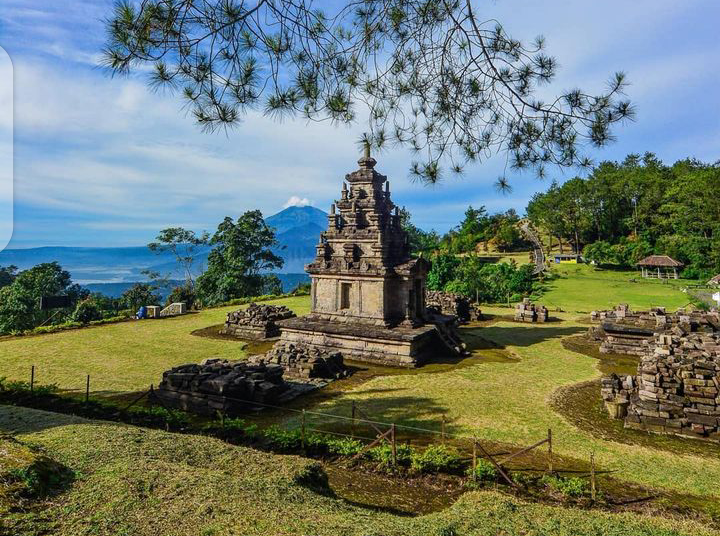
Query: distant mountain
x=297, y=228
x=293, y=217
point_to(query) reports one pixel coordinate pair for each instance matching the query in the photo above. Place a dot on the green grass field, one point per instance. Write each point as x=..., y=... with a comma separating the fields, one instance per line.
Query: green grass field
x=128, y=356
x=499, y=400
x=583, y=288
x=133, y=481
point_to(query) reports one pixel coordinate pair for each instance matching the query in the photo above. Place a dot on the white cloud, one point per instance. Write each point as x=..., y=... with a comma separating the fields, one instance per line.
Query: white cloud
x=296, y=201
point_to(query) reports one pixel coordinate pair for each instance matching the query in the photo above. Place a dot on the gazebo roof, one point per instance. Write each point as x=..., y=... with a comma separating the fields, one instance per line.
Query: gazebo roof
x=715, y=280
x=660, y=261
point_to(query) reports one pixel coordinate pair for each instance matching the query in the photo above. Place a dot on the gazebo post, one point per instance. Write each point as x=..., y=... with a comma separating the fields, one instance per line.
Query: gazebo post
x=659, y=276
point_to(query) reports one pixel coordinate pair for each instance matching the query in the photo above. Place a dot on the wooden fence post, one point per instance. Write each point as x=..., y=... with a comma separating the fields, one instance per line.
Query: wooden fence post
x=352, y=423
x=474, y=459
x=593, y=487
x=550, y=452
x=442, y=429
x=87, y=389
x=303, y=430
x=32, y=379
x=394, y=445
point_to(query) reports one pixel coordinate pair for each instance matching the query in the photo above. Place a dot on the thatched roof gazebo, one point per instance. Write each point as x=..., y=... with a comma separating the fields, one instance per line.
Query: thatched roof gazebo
x=715, y=281
x=660, y=266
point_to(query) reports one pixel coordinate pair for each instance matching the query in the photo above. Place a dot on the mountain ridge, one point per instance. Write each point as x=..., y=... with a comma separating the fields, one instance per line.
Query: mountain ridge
x=297, y=231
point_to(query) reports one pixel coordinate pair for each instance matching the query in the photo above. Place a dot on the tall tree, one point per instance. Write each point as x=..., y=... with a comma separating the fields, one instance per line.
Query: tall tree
x=20, y=301
x=241, y=257
x=7, y=275
x=435, y=76
x=185, y=246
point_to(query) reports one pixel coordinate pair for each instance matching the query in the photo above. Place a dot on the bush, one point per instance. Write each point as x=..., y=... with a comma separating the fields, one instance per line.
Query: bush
x=567, y=486
x=184, y=293
x=87, y=311
x=284, y=440
x=173, y=418
x=484, y=471
x=343, y=446
x=436, y=459
x=21, y=387
x=383, y=455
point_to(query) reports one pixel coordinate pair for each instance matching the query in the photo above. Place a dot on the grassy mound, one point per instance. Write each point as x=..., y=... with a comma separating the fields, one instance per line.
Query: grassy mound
x=142, y=482
x=27, y=475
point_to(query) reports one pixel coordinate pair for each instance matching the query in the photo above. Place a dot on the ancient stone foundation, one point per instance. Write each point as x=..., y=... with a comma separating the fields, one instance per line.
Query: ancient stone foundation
x=257, y=321
x=676, y=387
x=303, y=361
x=220, y=385
x=526, y=311
x=450, y=304
x=623, y=331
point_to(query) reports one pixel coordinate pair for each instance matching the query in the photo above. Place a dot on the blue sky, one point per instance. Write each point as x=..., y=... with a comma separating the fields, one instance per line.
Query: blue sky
x=103, y=161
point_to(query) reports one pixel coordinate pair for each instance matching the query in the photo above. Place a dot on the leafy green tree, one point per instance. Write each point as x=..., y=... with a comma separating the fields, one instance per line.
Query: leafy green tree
x=7, y=275
x=436, y=77
x=20, y=301
x=87, y=311
x=442, y=271
x=241, y=256
x=507, y=236
x=420, y=241
x=138, y=295
x=185, y=245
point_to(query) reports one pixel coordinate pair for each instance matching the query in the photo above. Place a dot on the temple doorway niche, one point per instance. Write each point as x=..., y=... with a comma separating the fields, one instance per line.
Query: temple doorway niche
x=345, y=294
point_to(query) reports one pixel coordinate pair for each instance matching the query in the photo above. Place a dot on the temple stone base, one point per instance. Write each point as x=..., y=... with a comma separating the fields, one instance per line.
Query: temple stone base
x=397, y=347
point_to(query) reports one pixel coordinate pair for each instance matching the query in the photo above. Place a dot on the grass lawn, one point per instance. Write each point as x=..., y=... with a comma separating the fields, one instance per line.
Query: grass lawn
x=509, y=402
x=139, y=482
x=127, y=356
x=495, y=400
x=583, y=288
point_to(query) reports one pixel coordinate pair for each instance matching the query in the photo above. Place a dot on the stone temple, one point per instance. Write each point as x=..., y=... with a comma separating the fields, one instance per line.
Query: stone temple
x=368, y=293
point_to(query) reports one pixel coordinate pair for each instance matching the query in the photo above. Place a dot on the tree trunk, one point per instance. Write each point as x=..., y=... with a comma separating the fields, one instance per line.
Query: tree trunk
x=561, y=245
x=577, y=242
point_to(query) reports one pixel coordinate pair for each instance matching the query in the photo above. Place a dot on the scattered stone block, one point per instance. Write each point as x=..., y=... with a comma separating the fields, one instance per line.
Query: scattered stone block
x=526, y=311
x=257, y=321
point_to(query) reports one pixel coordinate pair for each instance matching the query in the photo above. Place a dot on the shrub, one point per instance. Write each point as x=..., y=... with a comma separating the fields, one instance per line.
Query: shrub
x=435, y=459
x=184, y=293
x=484, y=471
x=383, y=455
x=567, y=486
x=173, y=418
x=284, y=440
x=24, y=387
x=87, y=311
x=343, y=446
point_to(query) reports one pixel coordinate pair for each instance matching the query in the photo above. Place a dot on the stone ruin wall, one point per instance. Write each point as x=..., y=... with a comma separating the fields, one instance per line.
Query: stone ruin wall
x=526, y=311
x=303, y=362
x=676, y=389
x=448, y=303
x=218, y=385
x=256, y=322
x=623, y=331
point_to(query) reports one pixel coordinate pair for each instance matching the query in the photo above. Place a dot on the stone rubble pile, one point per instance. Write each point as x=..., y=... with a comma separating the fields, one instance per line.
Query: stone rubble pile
x=257, y=321
x=304, y=361
x=676, y=389
x=448, y=303
x=221, y=385
x=622, y=331
x=526, y=311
